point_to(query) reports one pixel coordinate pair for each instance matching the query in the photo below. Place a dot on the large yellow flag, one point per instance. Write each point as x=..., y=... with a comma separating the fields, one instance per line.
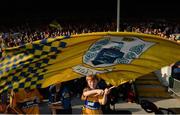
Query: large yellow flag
x=116, y=57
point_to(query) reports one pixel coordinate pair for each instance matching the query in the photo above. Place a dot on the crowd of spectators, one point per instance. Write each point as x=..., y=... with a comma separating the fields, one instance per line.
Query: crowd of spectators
x=19, y=35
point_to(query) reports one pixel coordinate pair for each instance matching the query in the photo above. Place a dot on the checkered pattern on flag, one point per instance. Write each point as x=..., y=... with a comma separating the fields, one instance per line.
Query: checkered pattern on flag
x=25, y=66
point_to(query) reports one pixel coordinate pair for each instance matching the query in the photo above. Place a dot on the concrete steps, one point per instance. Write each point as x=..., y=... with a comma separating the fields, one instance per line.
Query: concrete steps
x=147, y=82
x=149, y=86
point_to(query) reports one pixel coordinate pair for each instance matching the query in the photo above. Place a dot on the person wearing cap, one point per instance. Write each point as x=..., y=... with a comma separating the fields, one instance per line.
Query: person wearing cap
x=94, y=97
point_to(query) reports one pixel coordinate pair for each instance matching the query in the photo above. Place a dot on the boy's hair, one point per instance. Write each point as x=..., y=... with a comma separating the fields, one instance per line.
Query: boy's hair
x=92, y=77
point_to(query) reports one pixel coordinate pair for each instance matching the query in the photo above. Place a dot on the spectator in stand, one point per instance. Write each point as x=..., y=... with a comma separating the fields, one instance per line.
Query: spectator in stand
x=28, y=34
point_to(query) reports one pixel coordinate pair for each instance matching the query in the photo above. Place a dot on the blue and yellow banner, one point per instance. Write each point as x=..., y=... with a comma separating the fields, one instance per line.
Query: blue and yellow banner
x=116, y=57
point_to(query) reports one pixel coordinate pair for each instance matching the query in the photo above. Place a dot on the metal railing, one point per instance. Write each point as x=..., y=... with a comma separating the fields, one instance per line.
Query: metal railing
x=175, y=86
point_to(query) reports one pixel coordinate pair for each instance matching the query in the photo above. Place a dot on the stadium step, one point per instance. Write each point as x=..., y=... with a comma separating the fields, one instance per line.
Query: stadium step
x=154, y=95
x=149, y=86
x=150, y=76
x=148, y=82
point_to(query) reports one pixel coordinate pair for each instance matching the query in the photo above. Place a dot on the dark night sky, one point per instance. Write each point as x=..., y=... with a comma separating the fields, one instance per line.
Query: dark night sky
x=86, y=9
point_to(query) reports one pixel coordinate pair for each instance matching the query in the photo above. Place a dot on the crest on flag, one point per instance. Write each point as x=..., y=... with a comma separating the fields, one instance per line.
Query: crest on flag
x=112, y=50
